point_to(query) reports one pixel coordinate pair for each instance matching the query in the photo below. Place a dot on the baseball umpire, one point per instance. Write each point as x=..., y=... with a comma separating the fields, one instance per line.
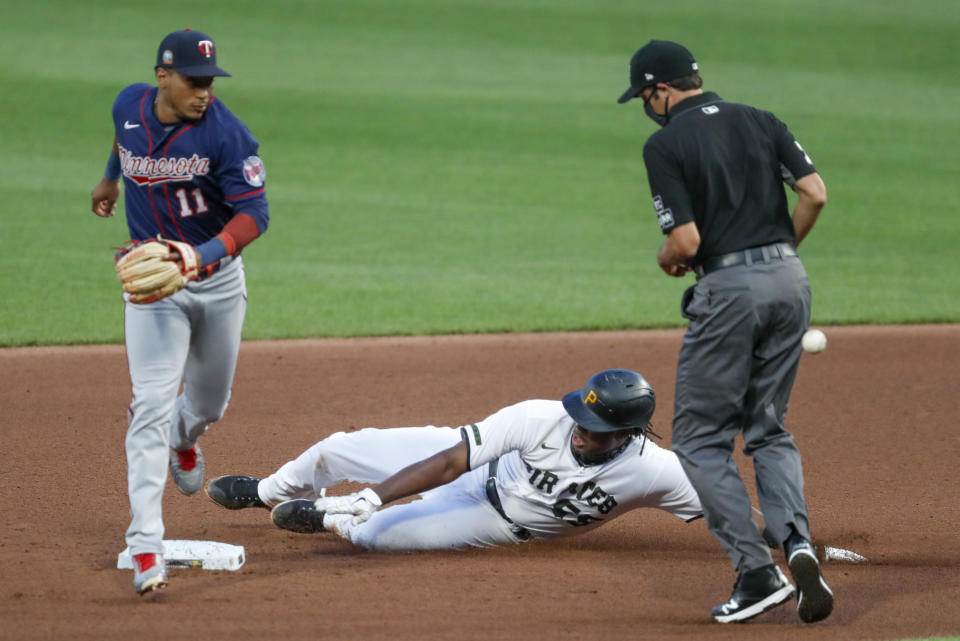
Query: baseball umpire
x=195, y=197
x=716, y=171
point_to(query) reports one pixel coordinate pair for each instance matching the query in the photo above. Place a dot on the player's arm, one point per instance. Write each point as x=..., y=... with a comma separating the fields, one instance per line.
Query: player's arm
x=671, y=491
x=440, y=469
x=437, y=470
x=480, y=443
x=106, y=192
x=243, y=181
x=242, y=230
x=811, y=198
x=502, y=432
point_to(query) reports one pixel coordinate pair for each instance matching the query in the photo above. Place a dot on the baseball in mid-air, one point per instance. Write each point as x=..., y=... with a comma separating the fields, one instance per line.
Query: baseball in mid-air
x=814, y=341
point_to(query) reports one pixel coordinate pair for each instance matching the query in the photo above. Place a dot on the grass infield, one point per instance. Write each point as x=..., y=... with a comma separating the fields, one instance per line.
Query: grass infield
x=443, y=166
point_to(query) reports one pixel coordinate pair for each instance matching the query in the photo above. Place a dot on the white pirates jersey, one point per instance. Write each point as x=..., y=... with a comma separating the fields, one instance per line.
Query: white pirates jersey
x=546, y=490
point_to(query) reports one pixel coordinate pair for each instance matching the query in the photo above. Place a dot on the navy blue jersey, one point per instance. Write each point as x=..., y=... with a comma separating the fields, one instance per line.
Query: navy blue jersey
x=186, y=181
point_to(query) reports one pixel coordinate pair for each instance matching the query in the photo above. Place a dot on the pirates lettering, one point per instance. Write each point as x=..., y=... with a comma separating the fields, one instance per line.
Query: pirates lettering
x=584, y=496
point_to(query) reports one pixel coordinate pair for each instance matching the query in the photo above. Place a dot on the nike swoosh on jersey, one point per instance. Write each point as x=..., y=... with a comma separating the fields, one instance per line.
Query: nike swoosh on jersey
x=547, y=447
x=127, y=125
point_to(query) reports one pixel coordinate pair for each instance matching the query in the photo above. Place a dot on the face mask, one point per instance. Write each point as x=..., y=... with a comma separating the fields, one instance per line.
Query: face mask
x=596, y=458
x=661, y=120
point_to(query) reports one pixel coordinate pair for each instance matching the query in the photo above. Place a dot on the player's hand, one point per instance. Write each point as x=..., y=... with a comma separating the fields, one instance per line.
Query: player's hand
x=152, y=270
x=176, y=255
x=104, y=197
x=361, y=505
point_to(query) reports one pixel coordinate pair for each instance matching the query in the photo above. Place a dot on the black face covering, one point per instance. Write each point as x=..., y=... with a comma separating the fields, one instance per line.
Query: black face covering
x=597, y=458
x=661, y=120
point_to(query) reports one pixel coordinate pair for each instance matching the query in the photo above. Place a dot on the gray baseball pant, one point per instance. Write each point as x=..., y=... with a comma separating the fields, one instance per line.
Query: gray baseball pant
x=193, y=335
x=735, y=372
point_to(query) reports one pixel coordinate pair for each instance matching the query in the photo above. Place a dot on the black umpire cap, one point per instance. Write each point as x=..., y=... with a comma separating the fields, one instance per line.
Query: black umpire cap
x=190, y=53
x=658, y=61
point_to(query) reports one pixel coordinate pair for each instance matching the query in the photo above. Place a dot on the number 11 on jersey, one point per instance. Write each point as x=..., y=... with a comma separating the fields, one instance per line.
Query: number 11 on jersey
x=185, y=210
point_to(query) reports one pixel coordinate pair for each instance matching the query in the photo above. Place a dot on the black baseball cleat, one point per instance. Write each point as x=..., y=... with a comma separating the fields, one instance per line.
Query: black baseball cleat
x=234, y=492
x=755, y=592
x=298, y=515
x=814, y=597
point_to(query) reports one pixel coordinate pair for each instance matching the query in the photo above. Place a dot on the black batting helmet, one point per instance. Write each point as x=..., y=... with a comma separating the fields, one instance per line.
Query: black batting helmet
x=614, y=399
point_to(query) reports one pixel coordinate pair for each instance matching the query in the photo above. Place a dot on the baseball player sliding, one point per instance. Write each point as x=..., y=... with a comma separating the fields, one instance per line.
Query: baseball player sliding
x=537, y=469
x=193, y=182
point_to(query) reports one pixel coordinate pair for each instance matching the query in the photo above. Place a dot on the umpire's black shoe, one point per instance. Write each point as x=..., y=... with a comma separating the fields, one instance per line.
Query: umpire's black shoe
x=298, y=515
x=814, y=597
x=234, y=492
x=755, y=592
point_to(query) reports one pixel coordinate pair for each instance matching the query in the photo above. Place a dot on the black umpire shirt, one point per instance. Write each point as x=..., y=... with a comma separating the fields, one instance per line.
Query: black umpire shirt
x=719, y=164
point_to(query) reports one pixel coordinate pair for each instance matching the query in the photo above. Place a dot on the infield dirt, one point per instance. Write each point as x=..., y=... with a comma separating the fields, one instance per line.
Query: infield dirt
x=874, y=417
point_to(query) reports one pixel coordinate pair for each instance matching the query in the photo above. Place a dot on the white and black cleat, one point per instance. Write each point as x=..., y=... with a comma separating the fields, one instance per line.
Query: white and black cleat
x=755, y=592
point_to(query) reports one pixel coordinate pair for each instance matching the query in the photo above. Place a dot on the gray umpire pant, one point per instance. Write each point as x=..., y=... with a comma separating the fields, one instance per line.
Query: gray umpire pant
x=735, y=372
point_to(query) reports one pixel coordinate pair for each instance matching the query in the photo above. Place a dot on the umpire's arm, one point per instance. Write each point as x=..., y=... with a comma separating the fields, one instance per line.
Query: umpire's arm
x=674, y=208
x=811, y=197
x=679, y=249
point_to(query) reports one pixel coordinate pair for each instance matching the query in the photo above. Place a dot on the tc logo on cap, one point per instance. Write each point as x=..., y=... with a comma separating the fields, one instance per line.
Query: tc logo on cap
x=205, y=47
x=167, y=57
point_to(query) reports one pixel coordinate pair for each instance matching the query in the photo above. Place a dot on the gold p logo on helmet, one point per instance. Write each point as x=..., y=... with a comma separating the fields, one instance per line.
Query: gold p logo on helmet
x=591, y=397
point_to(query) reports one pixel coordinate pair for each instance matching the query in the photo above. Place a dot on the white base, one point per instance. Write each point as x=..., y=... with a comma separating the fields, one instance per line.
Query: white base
x=208, y=555
x=844, y=556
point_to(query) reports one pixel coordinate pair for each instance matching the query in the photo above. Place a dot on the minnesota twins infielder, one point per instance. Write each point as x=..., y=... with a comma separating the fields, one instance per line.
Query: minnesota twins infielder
x=540, y=469
x=192, y=174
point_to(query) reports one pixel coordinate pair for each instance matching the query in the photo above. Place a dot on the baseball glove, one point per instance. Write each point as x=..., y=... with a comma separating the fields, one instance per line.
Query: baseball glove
x=154, y=269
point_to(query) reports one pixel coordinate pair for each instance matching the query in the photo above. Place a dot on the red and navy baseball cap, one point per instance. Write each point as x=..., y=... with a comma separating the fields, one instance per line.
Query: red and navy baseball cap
x=190, y=53
x=658, y=61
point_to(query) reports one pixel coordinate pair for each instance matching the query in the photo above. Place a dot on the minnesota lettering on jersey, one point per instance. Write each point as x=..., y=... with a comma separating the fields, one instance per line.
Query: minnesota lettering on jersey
x=150, y=171
x=584, y=496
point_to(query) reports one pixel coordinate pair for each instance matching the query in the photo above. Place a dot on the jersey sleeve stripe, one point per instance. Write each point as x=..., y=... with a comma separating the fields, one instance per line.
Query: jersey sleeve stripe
x=466, y=441
x=249, y=193
x=476, y=434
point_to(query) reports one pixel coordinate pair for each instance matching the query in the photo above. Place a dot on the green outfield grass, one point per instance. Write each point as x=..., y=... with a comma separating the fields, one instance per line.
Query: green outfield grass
x=442, y=166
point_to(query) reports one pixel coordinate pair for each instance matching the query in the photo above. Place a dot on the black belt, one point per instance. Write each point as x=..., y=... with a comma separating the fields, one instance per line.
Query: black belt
x=209, y=270
x=494, y=497
x=764, y=254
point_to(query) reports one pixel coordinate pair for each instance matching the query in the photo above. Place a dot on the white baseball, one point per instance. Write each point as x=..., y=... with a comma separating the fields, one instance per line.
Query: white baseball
x=814, y=341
